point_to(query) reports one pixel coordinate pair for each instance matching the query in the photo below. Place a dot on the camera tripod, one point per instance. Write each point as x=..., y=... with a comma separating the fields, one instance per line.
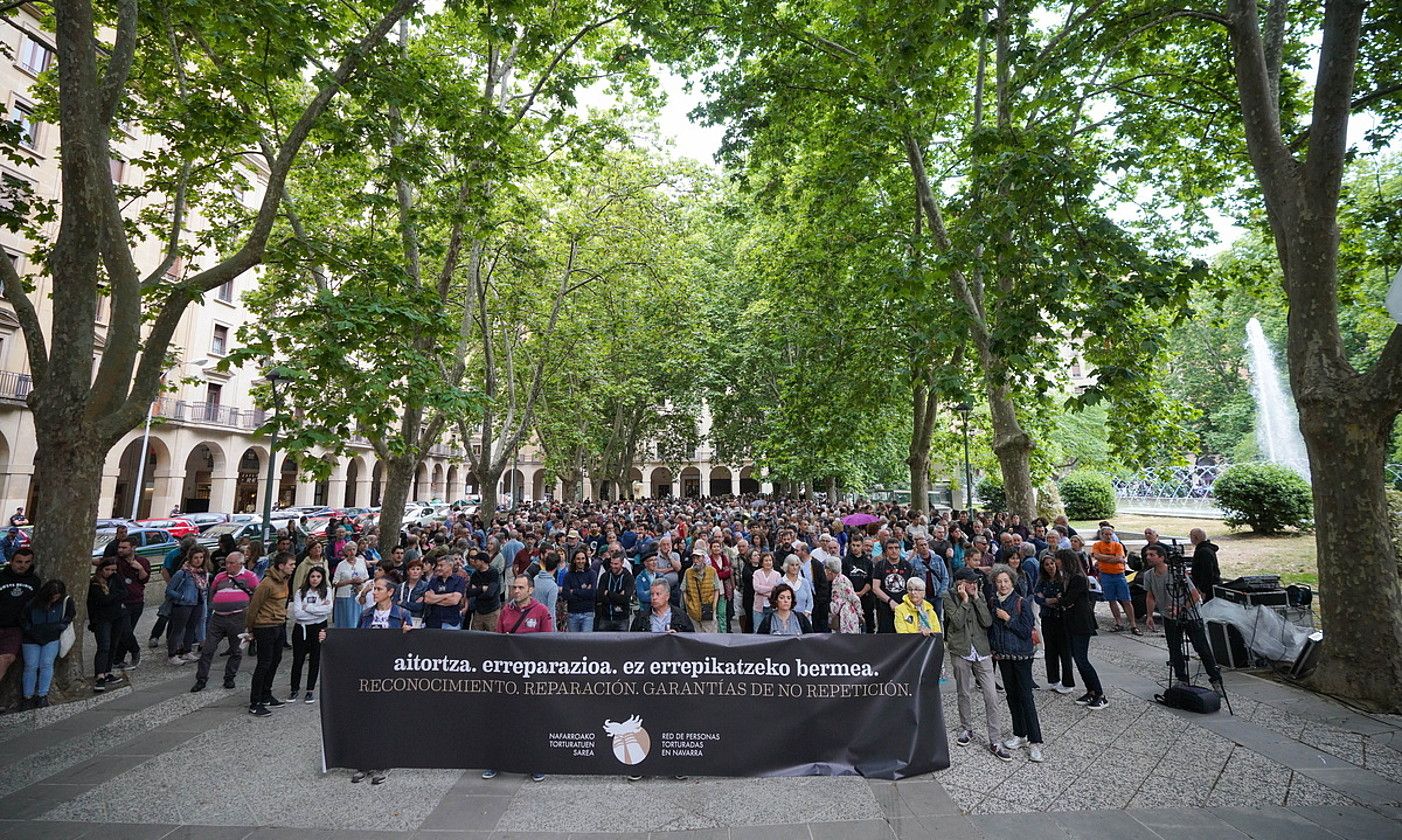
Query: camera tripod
x=1189, y=626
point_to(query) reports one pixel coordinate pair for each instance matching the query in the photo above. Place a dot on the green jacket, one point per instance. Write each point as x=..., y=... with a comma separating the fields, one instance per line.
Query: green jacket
x=966, y=624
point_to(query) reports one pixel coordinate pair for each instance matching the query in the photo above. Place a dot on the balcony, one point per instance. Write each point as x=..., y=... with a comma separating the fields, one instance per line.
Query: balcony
x=212, y=414
x=15, y=386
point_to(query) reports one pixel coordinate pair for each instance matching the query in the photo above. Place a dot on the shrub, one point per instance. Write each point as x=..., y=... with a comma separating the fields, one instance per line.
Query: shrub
x=1265, y=497
x=1088, y=495
x=990, y=493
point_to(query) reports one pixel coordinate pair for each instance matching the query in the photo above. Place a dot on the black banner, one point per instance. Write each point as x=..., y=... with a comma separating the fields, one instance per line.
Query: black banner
x=650, y=704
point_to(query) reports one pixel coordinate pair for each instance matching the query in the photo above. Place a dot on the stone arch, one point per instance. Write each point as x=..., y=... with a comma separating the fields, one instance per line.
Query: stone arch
x=436, y=489
x=454, y=484
x=720, y=481
x=287, y=482
x=661, y=482
x=691, y=483
x=377, y=482
x=248, y=472
x=513, y=486
x=158, y=460
x=355, y=471
x=204, y=464
x=321, y=491
x=420, y=482
x=748, y=482
x=5, y=469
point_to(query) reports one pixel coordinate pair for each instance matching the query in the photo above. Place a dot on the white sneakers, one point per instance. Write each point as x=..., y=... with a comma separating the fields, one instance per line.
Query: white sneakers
x=1063, y=689
x=1015, y=743
x=1034, y=753
x=179, y=660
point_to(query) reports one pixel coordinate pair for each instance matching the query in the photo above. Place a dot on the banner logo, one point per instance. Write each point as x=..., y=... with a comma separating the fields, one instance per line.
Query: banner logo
x=630, y=741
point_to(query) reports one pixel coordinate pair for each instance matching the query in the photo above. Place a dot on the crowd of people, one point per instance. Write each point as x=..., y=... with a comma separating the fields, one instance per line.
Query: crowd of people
x=1000, y=592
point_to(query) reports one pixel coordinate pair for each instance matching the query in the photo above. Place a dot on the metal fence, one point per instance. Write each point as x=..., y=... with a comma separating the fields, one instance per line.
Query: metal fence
x=211, y=413
x=1187, y=489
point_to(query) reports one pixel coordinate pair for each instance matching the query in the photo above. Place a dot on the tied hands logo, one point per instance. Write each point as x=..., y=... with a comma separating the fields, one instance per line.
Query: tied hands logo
x=630, y=741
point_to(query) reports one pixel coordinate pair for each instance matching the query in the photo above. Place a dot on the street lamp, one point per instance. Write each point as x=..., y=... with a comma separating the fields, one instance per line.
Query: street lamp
x=964, y=408
x=274, y=376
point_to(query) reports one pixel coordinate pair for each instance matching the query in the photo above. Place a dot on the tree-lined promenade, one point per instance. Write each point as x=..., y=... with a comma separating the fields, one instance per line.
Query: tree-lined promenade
x=917, y=208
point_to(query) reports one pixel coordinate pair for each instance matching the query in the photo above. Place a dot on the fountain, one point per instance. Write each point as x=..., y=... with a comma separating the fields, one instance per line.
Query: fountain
x=1277, y=427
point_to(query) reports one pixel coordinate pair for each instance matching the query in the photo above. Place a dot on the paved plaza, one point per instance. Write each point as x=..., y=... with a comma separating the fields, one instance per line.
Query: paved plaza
x=154, y=761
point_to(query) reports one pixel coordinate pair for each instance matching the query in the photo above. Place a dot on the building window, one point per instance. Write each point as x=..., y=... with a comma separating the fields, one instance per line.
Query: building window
x=29, y=127
x=118, y=168
x=213, y=391
x=1075, y=370
x=220, y=345
x=226, y=291
x=34, y=55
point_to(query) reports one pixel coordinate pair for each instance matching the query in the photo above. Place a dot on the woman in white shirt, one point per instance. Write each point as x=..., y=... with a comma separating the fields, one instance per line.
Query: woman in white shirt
x=311, y=606
x=350, y=575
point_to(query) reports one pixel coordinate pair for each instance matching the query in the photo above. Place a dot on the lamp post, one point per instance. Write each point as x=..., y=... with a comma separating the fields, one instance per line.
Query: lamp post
x=274, y=376
x=964, y=408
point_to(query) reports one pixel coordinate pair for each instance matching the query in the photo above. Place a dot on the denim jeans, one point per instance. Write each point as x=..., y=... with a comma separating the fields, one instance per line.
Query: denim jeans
x=1017, y=685
x=180, y=635
x=106, y=633
x=581, y=622
x=1080, y=651
x=38, y=667
x=128, y=647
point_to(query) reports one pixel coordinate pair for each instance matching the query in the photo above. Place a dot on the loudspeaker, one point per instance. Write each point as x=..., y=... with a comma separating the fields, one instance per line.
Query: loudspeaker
x=1191, y=698
x=1254, y=598
x=1228, y=646
x=1308, y=658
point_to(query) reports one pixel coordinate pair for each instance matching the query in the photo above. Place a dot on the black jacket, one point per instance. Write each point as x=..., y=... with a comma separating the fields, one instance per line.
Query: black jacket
x=615, y=594
x=1205, y=572
x=642, y=622
x=104, y=607
x=1078, y=607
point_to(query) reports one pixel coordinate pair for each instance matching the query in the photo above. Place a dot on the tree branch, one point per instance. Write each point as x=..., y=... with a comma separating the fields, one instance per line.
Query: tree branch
x=114, y=81
x=152, y=361
x=1274, y=47
x=1333, y=92
x=28, y=320
x=1272, y=160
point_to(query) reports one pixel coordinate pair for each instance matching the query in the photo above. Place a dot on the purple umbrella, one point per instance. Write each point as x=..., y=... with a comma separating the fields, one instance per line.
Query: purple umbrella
x=858, y=520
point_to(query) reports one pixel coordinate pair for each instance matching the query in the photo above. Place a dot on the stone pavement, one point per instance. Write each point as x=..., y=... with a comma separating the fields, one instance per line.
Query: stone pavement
x=153, y=761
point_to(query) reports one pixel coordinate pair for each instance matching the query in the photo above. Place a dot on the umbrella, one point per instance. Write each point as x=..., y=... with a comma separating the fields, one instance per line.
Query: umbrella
x=858, y=520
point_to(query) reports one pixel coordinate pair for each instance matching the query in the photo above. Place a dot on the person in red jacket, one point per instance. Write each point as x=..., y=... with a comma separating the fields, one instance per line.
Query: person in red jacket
x=523, y=613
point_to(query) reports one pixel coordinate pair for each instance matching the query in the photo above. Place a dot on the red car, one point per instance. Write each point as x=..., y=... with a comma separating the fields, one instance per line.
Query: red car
x=178, y=528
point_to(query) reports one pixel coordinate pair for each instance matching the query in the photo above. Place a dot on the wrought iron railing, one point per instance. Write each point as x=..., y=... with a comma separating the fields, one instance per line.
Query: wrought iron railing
x=14, y=385
x=1190, y=487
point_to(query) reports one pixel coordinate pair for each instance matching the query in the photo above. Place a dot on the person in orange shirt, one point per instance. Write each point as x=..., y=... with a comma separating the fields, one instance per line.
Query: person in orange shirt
x=1108, y=556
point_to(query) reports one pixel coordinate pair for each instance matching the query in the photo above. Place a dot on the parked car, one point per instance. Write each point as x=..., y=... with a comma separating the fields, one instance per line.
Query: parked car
x=150, y=542
x=238, y=530
x=112, y=523
x=178, y=527
x=205, y=521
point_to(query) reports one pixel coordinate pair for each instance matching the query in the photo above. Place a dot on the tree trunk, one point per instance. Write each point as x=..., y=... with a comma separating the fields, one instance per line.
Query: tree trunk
x=399, y=476
x=1013, y=447
x=490, y=481
x=1360, y=597
x=832, y=488
x=922, y=409
x=68, y=472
